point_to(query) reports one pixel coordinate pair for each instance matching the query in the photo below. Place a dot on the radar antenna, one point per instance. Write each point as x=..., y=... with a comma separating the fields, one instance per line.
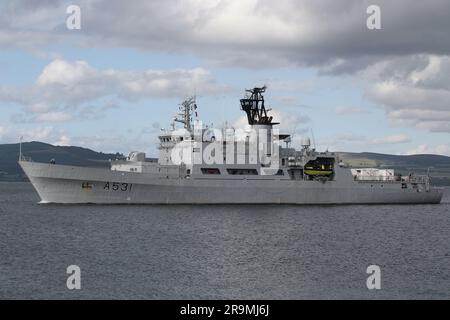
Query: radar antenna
x=185, y=115
x=253, y=105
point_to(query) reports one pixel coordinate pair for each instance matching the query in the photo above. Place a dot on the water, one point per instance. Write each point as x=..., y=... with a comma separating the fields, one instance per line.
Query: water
x=221, y=252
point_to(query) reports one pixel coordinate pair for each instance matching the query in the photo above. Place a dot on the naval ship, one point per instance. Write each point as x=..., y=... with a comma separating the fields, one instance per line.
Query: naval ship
x=201, y=165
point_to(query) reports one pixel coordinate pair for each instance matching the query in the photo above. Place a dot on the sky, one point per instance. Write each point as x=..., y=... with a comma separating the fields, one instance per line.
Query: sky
x=112, y=84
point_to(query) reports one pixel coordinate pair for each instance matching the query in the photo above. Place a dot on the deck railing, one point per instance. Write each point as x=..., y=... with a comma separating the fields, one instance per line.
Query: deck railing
x=406, y=179
x=26, y=159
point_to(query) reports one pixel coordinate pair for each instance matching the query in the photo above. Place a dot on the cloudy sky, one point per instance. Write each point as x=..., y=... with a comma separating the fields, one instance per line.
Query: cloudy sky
x=115, y=82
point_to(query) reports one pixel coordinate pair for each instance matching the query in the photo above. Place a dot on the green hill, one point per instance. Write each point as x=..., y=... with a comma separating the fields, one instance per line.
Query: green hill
x=43, y=152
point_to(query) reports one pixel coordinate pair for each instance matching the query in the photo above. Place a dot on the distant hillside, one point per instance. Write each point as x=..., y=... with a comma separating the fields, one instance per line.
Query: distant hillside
x=438, y=166
x=43, y=152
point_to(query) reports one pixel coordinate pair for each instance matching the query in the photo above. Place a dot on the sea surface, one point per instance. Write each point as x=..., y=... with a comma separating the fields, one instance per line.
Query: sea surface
x=221, y=252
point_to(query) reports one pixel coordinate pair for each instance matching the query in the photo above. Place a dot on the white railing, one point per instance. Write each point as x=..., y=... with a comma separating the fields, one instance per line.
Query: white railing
x=25, y=159
x=407, y=179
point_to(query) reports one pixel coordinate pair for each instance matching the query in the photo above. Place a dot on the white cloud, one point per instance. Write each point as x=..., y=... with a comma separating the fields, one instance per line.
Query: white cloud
x=415, y=91
x=64, y=73
x=393, y=139
x=13, y=134
x=79, y=81
x=64, y=140
x=63, y=87
x=55, y=116
x=38, y=134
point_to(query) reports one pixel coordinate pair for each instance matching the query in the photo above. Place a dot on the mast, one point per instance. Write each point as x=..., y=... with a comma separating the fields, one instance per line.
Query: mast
x=185, y=115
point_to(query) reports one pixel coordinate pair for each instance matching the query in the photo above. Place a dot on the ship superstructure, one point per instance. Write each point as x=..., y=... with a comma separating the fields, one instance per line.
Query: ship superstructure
x=198, y=164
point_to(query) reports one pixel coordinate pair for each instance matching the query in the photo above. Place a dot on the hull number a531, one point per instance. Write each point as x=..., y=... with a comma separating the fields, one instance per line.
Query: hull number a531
x=116, y=186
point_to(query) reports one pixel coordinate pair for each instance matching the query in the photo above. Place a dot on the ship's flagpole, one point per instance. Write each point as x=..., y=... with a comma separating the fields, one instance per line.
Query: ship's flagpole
x=314, y=140
x=20, y=148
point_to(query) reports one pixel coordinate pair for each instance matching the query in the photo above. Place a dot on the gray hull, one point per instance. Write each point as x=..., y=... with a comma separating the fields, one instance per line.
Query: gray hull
x=71, y=184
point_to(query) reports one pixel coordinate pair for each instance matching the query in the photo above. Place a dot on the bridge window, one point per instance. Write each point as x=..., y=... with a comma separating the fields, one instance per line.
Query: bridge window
x=210, y=171
x=242, y=171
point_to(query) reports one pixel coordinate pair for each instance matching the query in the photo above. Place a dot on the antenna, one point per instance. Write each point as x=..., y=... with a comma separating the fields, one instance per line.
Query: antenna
x=314, y=139
x=293, y=133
